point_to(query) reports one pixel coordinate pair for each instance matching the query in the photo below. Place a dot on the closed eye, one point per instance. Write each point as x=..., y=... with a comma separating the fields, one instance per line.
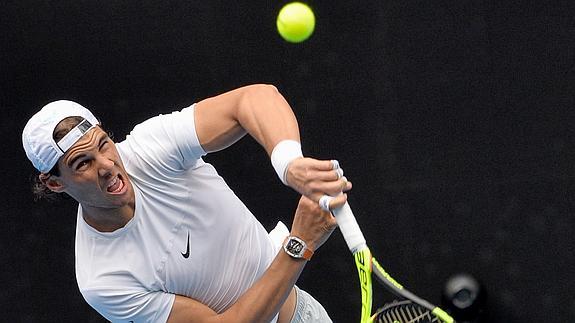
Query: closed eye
x=103, y=142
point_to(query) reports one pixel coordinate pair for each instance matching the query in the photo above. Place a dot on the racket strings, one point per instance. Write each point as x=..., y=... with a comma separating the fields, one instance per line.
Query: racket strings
x=404, y=312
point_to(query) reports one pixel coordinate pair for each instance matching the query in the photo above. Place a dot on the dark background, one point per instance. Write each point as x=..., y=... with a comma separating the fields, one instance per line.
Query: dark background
x=453, y=118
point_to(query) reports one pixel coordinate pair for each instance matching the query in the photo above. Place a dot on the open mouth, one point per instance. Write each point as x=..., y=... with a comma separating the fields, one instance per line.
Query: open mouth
x=116, y=185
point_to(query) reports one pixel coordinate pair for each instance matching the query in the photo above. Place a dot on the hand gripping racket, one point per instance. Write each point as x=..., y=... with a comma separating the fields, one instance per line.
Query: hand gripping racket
x=410, y=309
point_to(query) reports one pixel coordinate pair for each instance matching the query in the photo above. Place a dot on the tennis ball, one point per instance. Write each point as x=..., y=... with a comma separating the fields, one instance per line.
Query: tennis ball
x=295, y=22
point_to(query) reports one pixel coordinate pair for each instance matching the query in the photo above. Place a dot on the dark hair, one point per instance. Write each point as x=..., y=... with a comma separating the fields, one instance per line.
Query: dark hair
x=38, y=187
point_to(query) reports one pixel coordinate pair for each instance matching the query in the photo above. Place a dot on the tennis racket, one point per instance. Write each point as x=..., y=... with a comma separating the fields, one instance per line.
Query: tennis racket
x=410, y=309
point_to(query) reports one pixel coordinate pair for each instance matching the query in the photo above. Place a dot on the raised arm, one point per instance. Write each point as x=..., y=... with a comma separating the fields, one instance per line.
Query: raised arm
x=261, y=111
x=263, y=300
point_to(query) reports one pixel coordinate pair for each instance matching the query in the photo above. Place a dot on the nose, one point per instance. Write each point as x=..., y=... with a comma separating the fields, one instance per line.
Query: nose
x=105, y=166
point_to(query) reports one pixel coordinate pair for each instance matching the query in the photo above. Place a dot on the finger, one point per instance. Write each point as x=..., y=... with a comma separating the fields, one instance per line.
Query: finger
x=339, y=173
x=317, y=189
x=325, y=201
x=345, y=184
x=334, y=164
x=330, y=175
x=328, y=203
x=334, y=188
x=321, y=164
x=337, y=201
x=326, y=175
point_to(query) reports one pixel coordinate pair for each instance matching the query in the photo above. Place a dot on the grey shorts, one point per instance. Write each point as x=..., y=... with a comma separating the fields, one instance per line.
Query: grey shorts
x=308, y=310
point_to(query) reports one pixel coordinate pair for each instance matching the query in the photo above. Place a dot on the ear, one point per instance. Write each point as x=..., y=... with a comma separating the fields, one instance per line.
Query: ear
x=52, y=182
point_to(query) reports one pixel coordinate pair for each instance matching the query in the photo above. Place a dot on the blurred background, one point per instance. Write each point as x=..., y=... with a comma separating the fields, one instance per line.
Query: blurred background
x=453, y=119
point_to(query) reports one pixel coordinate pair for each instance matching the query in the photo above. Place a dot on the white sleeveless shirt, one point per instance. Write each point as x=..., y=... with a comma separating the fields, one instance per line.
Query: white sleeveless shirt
x=190, y=235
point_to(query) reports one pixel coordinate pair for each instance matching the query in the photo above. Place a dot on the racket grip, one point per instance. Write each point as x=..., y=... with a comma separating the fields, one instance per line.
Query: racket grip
x=349, y=228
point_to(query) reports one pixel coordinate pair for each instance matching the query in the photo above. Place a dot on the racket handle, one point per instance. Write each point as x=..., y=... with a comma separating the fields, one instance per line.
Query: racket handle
x=349, y=228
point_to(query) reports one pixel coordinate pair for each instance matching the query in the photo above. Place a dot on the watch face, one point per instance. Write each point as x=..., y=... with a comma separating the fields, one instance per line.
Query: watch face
x=294, y=246
x=297, y=248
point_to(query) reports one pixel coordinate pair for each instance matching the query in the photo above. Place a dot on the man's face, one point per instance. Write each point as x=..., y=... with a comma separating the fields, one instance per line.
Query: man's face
x=92, y=173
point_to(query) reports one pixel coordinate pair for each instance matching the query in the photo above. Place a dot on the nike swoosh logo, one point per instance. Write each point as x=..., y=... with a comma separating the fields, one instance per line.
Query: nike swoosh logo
x=187, y=253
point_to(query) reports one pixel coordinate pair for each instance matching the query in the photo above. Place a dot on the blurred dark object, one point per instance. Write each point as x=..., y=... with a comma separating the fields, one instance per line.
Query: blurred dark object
x=464, y=297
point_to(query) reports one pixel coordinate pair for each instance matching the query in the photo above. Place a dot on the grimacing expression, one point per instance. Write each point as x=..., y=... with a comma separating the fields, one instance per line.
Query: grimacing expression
x=92, y=172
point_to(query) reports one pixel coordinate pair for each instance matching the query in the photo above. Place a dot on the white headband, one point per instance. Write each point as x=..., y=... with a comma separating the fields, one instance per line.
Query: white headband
x=37, y=138
x=71, y=137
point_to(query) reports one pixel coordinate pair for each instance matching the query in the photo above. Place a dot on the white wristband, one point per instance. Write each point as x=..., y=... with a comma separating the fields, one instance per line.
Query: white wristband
x=282, y=154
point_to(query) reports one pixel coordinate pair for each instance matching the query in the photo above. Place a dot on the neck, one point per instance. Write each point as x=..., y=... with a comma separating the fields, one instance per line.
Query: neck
x=108, y=220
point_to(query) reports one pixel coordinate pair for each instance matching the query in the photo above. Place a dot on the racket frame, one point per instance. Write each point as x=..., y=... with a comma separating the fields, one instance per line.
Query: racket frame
x=366, y=265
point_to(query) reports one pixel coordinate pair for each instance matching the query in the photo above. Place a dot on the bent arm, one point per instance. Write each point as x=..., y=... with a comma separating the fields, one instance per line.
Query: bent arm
x=260, y=303
x=263, y=300
x=259, y=110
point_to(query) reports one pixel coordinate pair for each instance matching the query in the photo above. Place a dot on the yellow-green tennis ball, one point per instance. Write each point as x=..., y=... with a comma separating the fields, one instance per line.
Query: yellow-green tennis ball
x=295, y=22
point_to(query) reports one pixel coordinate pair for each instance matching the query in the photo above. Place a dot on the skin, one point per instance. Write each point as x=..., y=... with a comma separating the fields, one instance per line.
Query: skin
x=93, y=165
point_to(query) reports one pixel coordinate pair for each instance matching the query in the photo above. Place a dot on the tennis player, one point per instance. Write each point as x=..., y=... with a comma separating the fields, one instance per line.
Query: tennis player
x=160, y=237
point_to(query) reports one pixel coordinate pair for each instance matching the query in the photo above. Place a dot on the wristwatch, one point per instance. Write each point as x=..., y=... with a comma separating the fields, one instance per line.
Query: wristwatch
x=297, y=248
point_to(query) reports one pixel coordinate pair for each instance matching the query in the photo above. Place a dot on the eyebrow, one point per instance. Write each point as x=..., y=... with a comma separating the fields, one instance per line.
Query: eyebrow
x=71, y=162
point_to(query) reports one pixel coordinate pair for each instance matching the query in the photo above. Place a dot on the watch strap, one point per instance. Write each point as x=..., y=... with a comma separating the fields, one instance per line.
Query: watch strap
x=307, y=253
